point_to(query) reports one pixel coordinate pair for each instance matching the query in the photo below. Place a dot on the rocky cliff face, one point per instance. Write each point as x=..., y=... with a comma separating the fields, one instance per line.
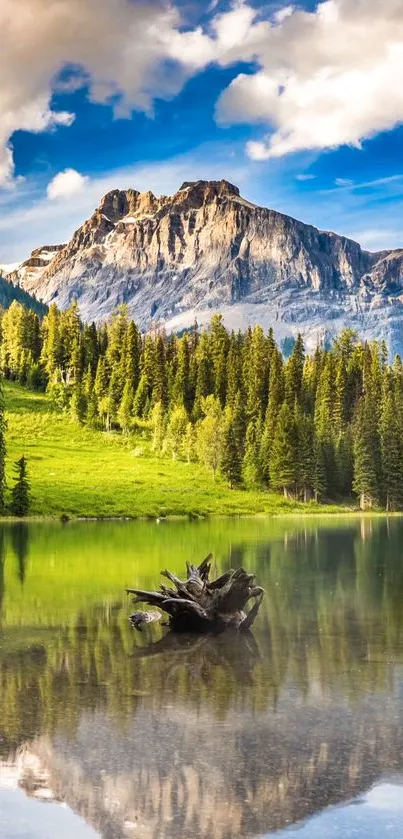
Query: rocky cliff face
x=207, y=249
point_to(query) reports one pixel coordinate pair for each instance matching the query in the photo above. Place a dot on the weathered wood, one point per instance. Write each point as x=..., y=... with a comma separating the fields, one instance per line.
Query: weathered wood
x=196, y=604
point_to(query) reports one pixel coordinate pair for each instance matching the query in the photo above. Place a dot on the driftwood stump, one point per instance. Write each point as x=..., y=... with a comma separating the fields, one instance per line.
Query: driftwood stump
x=198, y=605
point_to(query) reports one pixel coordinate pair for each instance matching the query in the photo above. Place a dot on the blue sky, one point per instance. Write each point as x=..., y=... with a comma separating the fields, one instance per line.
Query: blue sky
x=299, y=105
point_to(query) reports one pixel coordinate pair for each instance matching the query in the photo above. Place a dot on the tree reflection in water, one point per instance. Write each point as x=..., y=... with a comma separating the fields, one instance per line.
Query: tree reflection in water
x=227, y=736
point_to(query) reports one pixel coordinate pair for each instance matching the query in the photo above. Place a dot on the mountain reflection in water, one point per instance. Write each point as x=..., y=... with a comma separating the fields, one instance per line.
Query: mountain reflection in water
x=174, y=736
x=361, y=818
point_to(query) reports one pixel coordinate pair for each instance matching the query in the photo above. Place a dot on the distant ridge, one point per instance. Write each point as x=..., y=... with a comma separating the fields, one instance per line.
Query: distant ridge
x=10, y=292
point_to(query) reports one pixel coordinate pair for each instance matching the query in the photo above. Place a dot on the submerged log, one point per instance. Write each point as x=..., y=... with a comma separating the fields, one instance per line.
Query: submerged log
x=200, y=605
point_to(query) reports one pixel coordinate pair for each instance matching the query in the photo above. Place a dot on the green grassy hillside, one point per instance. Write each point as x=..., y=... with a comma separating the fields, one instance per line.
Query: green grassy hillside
x=81, y=472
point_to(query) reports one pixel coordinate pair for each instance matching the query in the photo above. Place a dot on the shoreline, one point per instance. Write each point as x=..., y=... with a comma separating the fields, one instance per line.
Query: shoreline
x=191, y=517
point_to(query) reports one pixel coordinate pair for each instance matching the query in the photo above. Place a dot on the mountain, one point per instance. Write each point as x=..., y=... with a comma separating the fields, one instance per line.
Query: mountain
x=9, y=292
x=26, y=273
x=207, y=249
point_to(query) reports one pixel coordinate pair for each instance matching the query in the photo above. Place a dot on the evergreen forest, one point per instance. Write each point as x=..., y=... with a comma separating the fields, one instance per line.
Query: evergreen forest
x=323, y=426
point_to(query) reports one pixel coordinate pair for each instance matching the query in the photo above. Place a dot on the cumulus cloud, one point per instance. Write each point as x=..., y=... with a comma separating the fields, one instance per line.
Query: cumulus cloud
x=325, y=78
x=117, y=47
x=65, y=184
x=127, y=53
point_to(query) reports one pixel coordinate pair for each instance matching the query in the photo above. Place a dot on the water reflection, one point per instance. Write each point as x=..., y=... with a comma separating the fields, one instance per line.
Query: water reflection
x=19, y=542
x=230, y=736
x=360, y=819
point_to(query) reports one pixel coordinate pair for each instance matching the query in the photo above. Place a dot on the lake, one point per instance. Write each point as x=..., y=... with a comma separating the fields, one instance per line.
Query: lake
x=295, y=731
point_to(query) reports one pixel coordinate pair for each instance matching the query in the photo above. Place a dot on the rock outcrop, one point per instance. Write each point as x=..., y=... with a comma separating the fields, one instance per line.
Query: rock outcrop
x=207, y=249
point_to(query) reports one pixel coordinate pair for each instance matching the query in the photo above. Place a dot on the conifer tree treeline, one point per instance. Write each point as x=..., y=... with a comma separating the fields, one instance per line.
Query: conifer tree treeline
x=320, y=426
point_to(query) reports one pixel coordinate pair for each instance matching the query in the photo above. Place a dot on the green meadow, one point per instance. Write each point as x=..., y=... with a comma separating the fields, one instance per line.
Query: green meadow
x=79, y=472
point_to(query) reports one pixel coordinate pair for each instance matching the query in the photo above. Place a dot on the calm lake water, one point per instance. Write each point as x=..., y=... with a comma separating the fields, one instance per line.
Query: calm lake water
x=296, y=732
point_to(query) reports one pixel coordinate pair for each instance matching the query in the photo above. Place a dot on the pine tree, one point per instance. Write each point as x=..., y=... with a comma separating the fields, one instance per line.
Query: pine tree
x=101, y=388
x=160, y=375
x=113, y=399
x=234, y=370
x=101, y=379
x=319, y=474
x=52, y=351
x=306, y=453
x=143, y=396
x=294, y=373
x=312, y=372
x=276, y=397
x=345, y=462
x=132, y=355
x=252, y=466
x=256, y=374
x=365, y=456
x=239, y=422
x=117, y=331
x=204, y=377
x=181, y=394
x=219, y=345
x=340, y=411
x=78, y=403
x=3, y=450
x=230, y=464
x=91, y=347
x=324, y=423
x=397, y=385
x=92, y=411
x=20, y=494
x=284, y=453
x=391, y=453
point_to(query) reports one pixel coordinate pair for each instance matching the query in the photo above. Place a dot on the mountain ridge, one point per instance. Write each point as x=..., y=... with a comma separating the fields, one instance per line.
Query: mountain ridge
x=10, y=292
x=206, y=249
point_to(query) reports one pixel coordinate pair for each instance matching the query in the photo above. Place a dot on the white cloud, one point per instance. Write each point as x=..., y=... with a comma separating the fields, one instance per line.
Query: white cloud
x=282, y=14
x=127, y=53
x=65, y=184
x=257, y=150
x=325, y=78
x=344, y=182
x=117, y=47
x=305, y=177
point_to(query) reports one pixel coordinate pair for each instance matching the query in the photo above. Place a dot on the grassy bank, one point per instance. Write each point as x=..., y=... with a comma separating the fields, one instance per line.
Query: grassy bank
x=80, y=472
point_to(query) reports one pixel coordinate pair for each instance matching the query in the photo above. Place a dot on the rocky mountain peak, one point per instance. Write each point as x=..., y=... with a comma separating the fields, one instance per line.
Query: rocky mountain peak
x=118, y=203
x=207, y=249
x=210, y=188
x=198, y=193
